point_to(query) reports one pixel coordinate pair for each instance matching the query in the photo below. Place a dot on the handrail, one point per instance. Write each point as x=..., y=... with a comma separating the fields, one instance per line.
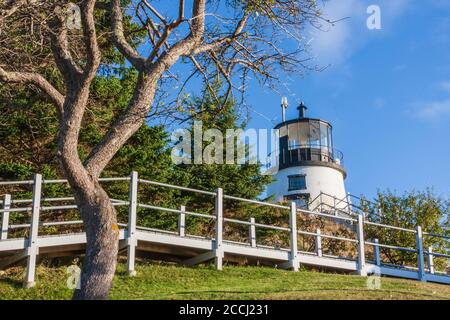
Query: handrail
x=339, y=238
x=390, y=246
x=42, y=200
x=350, y=208
x=9, y=183
x=336, y=154
x=161, y=184
x=256, y=202
x=315, y=234
x=218, y=217
x=326, y=215
x=343, y=211
x=266, y=226
x=437, y=254
x=45, y=224
x=122, y=202
x=50, y=181
x=148, y=206
x=436, y=235
x=389, y=226
x=317, y=197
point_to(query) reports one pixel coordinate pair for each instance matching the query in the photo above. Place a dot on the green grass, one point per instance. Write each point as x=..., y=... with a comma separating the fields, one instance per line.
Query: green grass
x=162, y=281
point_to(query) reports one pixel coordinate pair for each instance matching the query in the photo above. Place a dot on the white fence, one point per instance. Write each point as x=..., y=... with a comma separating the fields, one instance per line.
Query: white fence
x=214, y=247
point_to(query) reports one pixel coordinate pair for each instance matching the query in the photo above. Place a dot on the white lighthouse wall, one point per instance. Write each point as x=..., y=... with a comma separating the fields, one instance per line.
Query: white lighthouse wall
x=318, y=178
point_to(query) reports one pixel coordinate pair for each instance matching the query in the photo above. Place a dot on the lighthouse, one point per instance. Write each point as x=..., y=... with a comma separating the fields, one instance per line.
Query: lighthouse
x=306, y=167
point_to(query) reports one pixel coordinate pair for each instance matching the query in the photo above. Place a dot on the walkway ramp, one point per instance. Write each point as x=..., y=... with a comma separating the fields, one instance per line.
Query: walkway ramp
x=193, y=249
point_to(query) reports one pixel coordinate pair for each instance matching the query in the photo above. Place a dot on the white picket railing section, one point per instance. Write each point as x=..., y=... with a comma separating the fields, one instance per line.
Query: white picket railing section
x=215, y=248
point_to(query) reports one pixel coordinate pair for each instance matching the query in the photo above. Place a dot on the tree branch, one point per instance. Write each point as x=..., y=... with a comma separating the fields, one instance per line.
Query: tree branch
x=119, y=38
x=237, y=32
x=37, y=80
x=11, y=6
x=60, y=47
x=181, y=11
x=155, y=12
x=167, y=30
x=75, y=104
x=198, y=19
x=90, y=40
x=139, y=106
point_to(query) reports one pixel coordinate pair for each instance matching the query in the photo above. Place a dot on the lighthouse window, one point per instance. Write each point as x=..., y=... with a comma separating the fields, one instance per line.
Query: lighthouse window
x=303, y=133
x=314, y=133
x=297, y=182
x=292, y=144
x=324, y=135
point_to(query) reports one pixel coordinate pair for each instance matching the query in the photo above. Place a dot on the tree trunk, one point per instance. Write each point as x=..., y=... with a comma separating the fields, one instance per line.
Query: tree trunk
x=102, y=235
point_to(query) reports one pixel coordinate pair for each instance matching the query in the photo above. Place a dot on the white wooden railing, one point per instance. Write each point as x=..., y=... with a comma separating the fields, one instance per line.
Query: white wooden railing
x=131, y=232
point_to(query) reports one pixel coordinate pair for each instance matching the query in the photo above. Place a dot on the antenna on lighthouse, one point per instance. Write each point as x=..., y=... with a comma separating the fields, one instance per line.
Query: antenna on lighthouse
x=284, y=105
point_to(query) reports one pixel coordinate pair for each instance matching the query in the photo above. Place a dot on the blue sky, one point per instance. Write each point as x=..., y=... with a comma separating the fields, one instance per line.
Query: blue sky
x=386, y=92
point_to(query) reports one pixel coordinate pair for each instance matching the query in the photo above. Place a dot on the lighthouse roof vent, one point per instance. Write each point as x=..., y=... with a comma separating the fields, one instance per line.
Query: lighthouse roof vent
x=301, y=110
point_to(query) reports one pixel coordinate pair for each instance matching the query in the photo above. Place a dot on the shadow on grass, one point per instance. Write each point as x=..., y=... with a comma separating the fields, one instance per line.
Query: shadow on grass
x=224, y=292
x=16, y=284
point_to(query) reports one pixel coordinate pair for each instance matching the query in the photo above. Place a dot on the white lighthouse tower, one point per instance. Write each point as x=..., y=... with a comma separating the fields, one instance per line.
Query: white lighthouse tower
x=307, y=168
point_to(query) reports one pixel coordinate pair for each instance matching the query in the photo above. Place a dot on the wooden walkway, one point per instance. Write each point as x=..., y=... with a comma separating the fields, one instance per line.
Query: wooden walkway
x=190, y=249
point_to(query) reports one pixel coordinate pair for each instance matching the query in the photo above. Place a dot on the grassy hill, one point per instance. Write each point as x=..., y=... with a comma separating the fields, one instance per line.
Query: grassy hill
x=162, y=281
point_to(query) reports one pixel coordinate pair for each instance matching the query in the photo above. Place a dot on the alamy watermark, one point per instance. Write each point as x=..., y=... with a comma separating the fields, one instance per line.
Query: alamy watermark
x=73, y=280
x=234, y=146
x=73, y=17
x=374, y=19
x=374, y=279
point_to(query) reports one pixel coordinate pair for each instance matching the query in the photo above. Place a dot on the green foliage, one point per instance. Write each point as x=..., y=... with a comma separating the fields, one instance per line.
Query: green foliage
x=219, y=112
x=409, y=210
x=13, y=170
x=163, y=281
x=147, y=152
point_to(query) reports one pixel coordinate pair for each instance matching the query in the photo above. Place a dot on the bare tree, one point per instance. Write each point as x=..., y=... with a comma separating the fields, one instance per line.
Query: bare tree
x=233, y=40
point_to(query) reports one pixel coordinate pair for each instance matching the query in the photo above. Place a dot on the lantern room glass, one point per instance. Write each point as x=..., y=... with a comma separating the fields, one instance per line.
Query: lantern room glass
x=308, y=134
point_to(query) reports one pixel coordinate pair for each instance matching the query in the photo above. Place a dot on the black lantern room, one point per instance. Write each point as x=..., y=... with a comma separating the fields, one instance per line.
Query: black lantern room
x=307, y=141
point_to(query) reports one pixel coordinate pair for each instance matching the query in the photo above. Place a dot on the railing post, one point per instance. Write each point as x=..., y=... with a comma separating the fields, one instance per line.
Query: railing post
x=293, y=226
x=376, y=252
x=349, y=206
x=321, y=201
x=420, y=261
x=182, y=222
x=5, y=217
x=361, y=247
x=252, y=233
x=334, y=206
x=132, y=216
x=430, y=260
x=33, y=249
x=319, y=243
x=219, y=228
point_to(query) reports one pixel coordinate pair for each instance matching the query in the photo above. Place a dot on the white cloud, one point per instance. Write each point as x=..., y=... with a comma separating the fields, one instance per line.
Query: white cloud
x=379, y=103
x=339, y=42
x=400, y=67
x=433, y=110
x=332, y=44
x=440, y=3
x=392, y=9
x=445, y=85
